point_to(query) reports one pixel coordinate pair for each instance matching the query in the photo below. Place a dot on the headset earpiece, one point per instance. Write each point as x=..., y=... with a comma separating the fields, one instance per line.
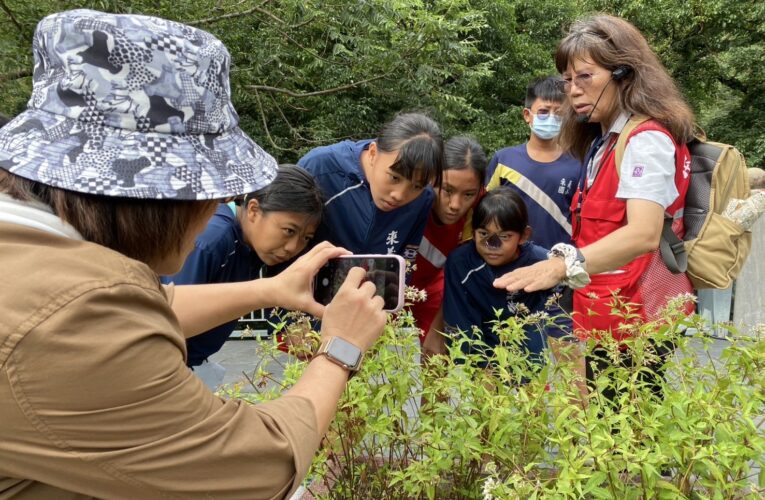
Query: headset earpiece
x=621, y=73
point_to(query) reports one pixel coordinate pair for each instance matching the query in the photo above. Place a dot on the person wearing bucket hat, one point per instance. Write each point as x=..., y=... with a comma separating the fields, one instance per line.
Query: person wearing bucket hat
x=127, y=147
x=135, y=108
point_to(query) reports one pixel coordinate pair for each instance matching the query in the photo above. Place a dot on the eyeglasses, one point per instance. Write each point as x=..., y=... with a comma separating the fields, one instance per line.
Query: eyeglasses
x=581, y=80
x=543, y=115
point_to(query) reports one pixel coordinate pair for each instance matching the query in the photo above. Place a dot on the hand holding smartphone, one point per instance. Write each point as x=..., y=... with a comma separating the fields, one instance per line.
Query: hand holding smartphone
x=385, y=271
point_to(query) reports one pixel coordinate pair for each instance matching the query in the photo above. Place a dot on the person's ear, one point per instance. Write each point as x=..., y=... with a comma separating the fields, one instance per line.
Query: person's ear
x=526, y=235
x=527, y=116
x=372, y=150
x=253, y=209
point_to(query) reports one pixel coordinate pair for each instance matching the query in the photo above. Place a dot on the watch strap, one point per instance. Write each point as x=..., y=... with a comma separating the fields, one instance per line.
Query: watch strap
x=326, y=348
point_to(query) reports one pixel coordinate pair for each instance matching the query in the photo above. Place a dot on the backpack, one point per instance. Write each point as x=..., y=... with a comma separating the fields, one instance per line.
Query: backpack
x=714, y=248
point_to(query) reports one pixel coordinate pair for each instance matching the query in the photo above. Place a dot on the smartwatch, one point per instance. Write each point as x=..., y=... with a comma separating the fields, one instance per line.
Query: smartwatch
x=341, y=352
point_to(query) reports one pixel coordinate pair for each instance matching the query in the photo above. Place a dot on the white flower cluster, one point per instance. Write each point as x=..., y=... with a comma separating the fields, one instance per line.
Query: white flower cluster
x=414, y=295
x=758, y=331
x=490, y=482
x=538, y=317
x=488, y=486
x=553, y=300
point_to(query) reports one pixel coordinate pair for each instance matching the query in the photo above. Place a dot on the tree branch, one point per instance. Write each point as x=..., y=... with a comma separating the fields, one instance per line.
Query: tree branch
x=293, y=130
x=258, y=8
x=10, y=15
x=303, y=23
x=22, y=73
x=734, y=84
x=265, y=123
x=333, y=90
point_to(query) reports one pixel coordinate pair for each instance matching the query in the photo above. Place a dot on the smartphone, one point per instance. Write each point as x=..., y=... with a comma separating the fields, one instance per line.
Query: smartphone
x=385, y=271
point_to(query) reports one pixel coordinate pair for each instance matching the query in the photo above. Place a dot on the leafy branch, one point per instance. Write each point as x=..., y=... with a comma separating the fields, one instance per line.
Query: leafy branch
x=231, y=15
x=265, y=123
x=11, y=16
x=333, y=90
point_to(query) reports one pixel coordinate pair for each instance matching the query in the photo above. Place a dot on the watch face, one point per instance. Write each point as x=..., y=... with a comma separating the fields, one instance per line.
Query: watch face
x=343, y=351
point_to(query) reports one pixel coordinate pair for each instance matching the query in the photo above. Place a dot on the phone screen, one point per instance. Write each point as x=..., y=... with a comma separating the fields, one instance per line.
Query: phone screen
x=386, y=272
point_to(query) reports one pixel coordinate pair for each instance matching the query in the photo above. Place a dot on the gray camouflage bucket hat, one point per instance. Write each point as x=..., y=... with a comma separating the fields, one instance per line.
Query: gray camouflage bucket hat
x=132, y=106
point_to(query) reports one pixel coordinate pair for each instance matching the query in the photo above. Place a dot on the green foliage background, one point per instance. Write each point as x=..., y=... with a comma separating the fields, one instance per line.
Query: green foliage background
x=310, y=72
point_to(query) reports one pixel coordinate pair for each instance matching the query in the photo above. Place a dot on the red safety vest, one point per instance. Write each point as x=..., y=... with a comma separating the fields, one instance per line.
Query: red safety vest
x=642, y=287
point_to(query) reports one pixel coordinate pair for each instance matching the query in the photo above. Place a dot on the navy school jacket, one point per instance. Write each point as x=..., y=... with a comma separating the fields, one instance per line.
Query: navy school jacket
x=351, y=219
x=470, y=299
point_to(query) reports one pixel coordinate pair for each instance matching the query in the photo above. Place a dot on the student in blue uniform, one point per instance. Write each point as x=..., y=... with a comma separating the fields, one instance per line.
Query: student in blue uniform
x=539, y=170
x=378, y=190
x=255, y=238
x=500, y=244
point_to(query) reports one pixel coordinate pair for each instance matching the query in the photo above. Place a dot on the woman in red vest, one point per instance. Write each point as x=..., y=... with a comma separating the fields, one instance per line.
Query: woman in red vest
x=610, y=74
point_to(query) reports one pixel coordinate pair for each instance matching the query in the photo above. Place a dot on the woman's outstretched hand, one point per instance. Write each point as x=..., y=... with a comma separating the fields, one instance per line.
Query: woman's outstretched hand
x=540, y=276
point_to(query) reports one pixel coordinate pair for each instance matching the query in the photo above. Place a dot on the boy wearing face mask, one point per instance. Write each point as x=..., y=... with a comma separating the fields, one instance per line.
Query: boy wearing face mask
x=539, y=170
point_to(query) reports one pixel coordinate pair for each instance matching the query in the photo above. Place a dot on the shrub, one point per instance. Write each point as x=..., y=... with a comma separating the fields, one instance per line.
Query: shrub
x=452, y=429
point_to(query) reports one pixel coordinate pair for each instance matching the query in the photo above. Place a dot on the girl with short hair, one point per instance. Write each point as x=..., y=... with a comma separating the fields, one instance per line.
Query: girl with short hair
x=500, y=244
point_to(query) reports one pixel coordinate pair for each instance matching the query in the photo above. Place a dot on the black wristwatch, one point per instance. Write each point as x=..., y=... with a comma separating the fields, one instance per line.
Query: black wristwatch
x=342, y=353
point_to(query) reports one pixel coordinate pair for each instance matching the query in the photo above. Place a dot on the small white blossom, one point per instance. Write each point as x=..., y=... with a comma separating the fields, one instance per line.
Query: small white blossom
x=488, y=486
x=413, y=294
x=521, y=309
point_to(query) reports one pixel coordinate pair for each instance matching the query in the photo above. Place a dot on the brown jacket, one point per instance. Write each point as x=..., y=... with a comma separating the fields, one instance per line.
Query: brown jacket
x=95, y=396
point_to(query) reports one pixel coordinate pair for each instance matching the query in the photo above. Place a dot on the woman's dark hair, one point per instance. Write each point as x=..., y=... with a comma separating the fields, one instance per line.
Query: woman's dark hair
x=546, y=89
x=293, y=190
x=647, y=90
x=504, y=207
x=145, y=230
x=462, y=153
x=419, y=143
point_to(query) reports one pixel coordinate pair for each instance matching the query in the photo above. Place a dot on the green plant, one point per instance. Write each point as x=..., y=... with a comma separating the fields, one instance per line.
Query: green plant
x=453, y=429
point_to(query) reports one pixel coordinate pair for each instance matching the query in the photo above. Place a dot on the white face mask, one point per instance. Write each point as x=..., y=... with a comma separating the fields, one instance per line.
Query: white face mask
x=546, y=126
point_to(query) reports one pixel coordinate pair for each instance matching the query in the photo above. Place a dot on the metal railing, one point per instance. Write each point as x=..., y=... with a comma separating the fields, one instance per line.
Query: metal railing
x=256, y=322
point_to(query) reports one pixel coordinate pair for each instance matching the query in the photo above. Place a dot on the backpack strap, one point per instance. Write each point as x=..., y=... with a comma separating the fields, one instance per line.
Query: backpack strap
x=621, y=143
x=671, y=247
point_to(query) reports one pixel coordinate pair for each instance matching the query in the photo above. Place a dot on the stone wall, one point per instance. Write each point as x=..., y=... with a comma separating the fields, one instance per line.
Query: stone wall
x=749, y=297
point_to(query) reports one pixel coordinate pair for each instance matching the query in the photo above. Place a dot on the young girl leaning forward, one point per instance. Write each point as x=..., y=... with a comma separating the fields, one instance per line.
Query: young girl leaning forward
x=500, y=244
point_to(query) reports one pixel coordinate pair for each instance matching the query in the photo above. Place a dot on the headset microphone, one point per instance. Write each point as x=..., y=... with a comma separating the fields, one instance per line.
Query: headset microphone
x=584, y=118
x=620, y=73
x=616, y=75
